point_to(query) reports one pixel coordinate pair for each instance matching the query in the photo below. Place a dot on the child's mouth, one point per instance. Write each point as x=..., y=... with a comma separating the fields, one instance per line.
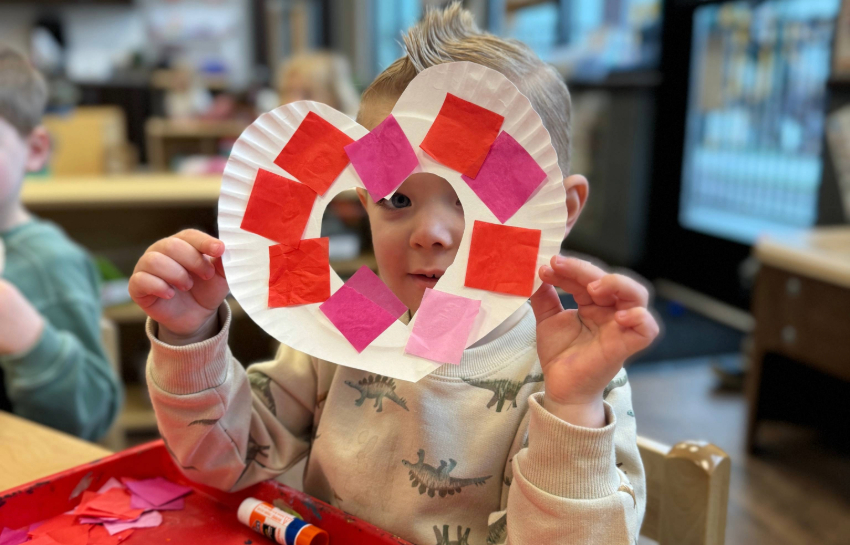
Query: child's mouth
x=429, y=280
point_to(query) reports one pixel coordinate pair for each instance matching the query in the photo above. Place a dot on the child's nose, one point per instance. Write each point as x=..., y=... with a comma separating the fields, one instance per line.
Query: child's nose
x=433, y=232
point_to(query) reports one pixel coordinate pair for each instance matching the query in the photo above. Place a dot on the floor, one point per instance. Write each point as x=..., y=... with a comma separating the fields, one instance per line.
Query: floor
x=796, y=491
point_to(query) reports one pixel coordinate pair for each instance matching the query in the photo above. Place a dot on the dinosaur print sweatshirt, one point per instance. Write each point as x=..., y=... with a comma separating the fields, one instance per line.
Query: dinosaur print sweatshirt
x=466, y=456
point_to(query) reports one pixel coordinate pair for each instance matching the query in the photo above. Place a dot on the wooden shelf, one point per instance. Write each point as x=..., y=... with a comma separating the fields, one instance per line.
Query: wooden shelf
x=133, y=191
x=138, y=414
x=159, y=127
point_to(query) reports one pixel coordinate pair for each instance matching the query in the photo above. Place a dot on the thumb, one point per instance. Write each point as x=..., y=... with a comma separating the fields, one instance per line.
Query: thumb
x=545, y=302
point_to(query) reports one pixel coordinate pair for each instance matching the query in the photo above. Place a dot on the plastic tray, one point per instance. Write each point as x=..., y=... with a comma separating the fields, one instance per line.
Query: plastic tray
x=209, y=515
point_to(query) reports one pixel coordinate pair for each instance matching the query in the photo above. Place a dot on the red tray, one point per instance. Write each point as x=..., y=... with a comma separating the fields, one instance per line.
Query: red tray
x=209, y=516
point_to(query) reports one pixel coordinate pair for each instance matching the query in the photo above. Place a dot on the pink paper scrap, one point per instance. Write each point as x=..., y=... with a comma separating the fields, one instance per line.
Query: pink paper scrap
x=148, y=520
x=442, y=326
x=138, y=502
x=383, y=158
x=508, y=177
x=368, y=284
x=109, y=485
x=97, y=520
x=13, y=537
x=157, y=491
x=355, y=316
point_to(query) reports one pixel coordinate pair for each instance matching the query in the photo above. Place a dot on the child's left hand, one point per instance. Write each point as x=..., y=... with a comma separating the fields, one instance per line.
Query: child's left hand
x=582, y=350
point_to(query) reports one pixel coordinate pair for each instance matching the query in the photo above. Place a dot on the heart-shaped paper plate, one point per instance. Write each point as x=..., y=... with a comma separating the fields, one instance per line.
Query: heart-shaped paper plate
x=305, y=327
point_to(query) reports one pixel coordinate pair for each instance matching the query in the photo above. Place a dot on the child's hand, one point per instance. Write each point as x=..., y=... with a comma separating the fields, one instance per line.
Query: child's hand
x=20, y=323
x=582, y=350
x=180, y=283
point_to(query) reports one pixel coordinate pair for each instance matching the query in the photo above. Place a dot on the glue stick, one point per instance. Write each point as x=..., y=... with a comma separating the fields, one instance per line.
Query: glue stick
x=278, y=525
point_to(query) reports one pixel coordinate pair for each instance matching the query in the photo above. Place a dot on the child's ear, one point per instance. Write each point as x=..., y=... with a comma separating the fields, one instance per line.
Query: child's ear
x=38, y=146
x=577, y=191
x=363, y=195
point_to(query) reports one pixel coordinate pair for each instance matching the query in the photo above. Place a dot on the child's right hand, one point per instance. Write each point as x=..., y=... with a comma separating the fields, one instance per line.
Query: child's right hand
x=179, y=282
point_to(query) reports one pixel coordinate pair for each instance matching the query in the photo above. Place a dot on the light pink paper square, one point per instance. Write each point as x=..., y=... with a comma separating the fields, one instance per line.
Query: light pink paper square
x=358, y=319
x=508, y=177
x=148, y=520
x=383, y=158
x=442, y=326
x=368, y=284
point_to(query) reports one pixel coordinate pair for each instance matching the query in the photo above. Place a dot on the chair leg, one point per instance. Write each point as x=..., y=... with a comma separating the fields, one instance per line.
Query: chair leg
x=753, y=390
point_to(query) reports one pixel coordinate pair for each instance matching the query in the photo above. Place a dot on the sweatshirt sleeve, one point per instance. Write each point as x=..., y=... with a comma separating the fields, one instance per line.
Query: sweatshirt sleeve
x=65, y=381
x=574, y=484
x=226, y=427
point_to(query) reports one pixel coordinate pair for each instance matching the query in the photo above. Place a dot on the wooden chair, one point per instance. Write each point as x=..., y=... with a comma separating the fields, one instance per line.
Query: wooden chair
x=687, y=492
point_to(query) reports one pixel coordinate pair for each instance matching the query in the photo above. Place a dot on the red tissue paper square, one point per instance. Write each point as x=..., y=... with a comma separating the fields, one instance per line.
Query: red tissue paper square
x=462, y=134
x=278, y=208
x=502, y=258
x=299, y=276
x=316, y=153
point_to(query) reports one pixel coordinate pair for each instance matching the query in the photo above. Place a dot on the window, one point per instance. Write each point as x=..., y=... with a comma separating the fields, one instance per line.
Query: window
x=755, y=122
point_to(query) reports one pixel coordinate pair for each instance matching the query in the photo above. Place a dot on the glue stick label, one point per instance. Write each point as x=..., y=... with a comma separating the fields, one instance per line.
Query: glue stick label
x=270, y=522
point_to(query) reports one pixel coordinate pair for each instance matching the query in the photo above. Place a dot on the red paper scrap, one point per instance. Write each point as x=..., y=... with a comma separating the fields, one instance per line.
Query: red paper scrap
x=462, y=134
x=315, y=154
x=112, y=503
x=72, y=535
x=99, y=536
x=502, y=258
x=278, y=208
x=299, y=276
x=56, y=523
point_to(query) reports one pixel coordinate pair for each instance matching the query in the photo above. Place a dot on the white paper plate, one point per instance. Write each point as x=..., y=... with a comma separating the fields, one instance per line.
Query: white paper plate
x=304, y=327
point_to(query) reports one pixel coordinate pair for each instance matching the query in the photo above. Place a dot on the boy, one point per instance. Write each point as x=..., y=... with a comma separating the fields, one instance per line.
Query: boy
x=53, y=369
x=474, y=453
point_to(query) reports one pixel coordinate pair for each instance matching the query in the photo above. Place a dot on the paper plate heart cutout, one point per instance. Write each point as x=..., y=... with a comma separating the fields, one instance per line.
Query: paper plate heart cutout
x=520, y=145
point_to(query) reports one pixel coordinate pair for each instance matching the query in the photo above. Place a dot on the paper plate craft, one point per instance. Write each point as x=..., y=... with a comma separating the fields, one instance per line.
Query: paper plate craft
x=461, y=121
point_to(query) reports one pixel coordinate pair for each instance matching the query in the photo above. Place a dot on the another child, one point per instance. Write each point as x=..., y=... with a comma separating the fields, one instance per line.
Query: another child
x=531, y=439
x=54, y=369
x=322, y=76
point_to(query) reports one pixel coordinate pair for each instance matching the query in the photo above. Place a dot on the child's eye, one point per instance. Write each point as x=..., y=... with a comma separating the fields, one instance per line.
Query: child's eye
x=396, y=201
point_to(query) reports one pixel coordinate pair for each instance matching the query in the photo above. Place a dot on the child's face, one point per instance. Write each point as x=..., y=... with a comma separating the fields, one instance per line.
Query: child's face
x=416, y=233
x=19, y=155
x=13, y=157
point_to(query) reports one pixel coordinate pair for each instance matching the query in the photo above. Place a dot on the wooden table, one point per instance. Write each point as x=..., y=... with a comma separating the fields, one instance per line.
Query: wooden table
x=30, y=451
x=801, y=305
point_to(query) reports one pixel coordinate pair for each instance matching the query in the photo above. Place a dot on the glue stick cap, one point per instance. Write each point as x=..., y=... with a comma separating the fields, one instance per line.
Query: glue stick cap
x=311, y=535
x=245, y=509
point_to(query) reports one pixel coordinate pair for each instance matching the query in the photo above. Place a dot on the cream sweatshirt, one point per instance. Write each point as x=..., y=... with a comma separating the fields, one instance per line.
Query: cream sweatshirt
x=466, y=456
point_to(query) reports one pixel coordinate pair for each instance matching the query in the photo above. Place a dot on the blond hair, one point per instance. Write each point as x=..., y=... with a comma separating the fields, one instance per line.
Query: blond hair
x=23, y=91
x=327, y=71
x=451, y=35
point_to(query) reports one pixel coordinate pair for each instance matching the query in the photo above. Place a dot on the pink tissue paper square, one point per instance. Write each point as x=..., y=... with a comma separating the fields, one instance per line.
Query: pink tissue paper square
x=148, y=520
x=157, y=491
x=508, y=177
x=368, y=284
x=358, y=319
x=442, y=326
x=383, y=158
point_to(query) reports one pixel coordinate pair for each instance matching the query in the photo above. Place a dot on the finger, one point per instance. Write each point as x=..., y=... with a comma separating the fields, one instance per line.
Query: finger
x=545, y=302
x=186, y=255
x=578, y=270
x=579, y=292
x=145, y=288
x=618, y=290
x=639, y=320
x=162, y=266
x=219, y=267
x=202, y=242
